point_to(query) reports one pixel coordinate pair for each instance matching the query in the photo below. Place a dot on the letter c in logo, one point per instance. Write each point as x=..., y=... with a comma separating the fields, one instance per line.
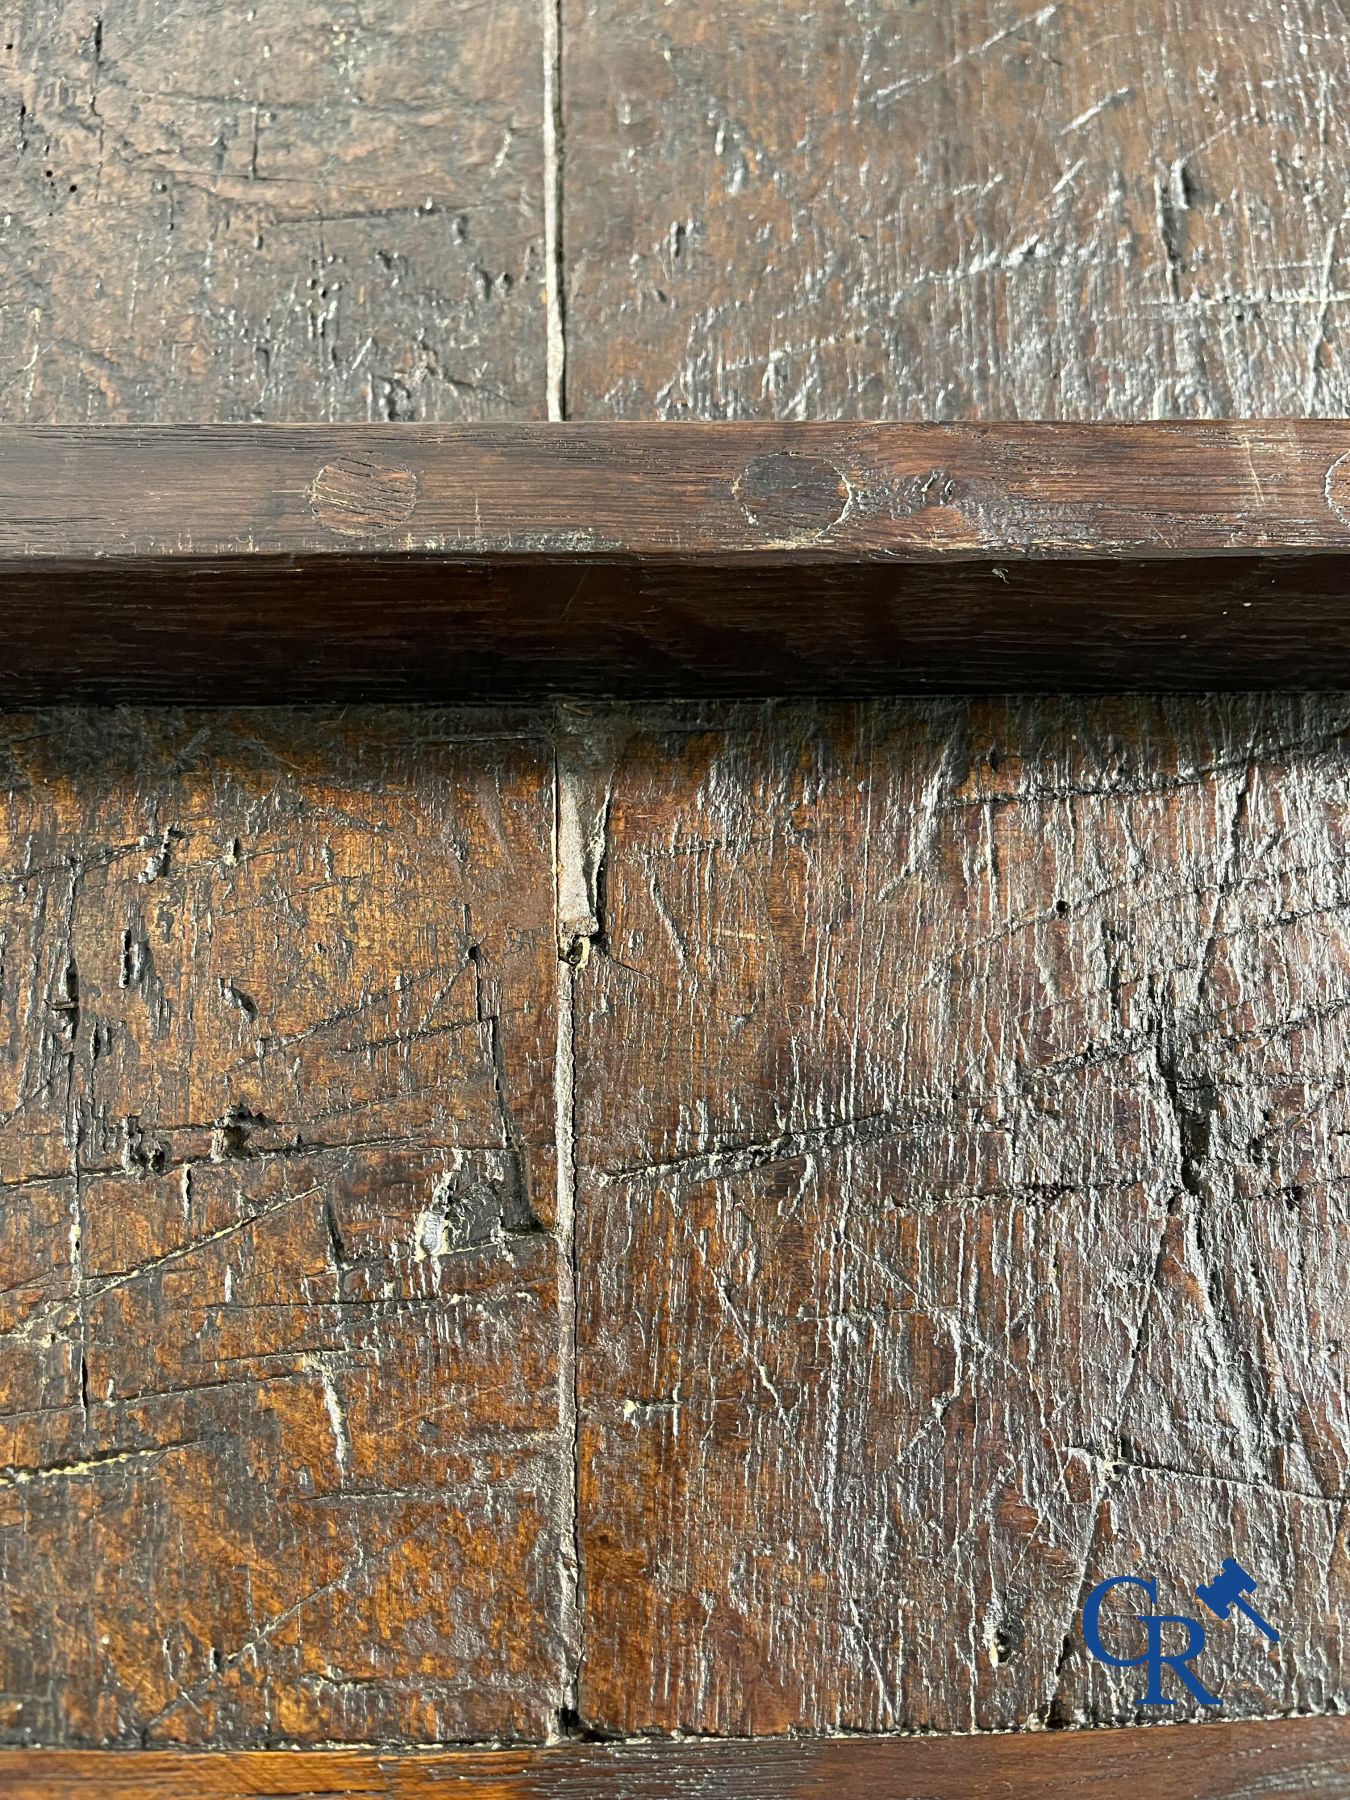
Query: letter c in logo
x=1092, y=1606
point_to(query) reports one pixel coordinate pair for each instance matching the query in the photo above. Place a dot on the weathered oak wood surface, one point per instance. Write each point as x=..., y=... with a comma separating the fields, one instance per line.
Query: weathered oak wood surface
x=961, y=1206
x=955, y=209
x=1292, y=1759
x=280, y=1403
x=838, y=1237
x=292, y=209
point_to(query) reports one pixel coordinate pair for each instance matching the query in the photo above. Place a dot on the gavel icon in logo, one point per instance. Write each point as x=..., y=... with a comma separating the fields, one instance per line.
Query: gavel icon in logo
x=1227, y=1590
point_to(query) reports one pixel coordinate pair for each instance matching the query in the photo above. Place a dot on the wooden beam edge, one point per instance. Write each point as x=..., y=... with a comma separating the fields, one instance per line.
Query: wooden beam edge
x=1221, y=1761
x=766, y=493
x=224, y=564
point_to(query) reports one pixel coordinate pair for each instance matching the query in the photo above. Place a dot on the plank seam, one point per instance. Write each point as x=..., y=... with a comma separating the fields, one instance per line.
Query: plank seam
x=556, y=363
x=569, y=1546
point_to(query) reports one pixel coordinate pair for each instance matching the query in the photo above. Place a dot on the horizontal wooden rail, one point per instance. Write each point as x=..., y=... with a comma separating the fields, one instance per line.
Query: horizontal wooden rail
x=292, y=562
x=1275, y=1760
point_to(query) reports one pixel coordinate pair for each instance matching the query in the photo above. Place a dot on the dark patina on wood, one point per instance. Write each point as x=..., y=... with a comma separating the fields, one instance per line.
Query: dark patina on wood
x=281, y=1285
x=1279, y=1760
x=232, y=563
x=917, y=1194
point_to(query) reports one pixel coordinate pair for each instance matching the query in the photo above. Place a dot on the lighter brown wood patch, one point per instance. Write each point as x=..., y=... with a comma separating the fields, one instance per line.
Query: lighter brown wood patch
x=1338, y=488
x=358, y=495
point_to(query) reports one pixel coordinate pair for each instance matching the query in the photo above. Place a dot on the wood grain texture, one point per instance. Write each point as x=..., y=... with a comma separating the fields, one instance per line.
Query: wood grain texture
x=281, y=1443
x=303, y=563
x=1279, y=1760
x=276, y=211
x=744, y=495
x=972, y=209
x=973, y=1248
x=961, y=1206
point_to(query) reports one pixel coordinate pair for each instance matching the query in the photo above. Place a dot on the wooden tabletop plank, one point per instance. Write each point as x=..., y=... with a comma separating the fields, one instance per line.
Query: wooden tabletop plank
x=282, y=1447
x=954, y=1084
x=1279, y=1759
x=855, y=210
x=274, y=212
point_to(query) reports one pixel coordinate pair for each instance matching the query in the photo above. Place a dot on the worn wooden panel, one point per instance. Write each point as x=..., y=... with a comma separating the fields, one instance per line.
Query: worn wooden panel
x=282, y=1417
x=1280, y=1760
x=961, y=1206
x=281, y=1452
x=275, y=211
x=955, y=208
x=320, y=562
